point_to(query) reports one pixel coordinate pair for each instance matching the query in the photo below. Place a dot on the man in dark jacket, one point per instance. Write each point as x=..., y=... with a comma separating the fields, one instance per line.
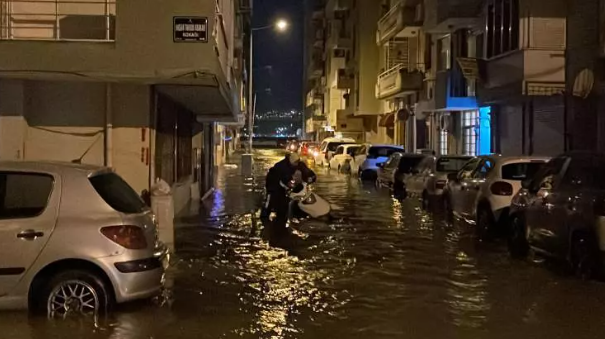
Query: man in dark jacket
x=278, y=181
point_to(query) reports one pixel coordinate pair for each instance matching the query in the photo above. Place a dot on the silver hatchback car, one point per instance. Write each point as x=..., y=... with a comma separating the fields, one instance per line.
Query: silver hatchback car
x=74, y=239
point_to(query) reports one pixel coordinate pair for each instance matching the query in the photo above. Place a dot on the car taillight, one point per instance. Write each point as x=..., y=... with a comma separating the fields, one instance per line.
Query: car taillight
x=501, y=188
x=440, y=184
x=130, y=237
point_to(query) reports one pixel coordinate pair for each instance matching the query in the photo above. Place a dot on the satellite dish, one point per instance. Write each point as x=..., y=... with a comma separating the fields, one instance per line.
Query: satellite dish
x=583, y=84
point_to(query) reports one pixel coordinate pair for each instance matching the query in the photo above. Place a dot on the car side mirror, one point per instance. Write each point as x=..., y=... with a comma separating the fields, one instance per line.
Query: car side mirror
x=452, y=176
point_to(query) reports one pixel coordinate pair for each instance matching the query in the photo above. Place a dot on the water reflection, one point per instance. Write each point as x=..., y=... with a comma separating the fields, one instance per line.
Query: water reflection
x=380, y=269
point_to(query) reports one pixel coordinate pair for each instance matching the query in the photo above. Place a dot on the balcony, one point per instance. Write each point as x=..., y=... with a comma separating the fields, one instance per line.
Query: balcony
x=339, y=37
x=316, y=69
x=91, y=20
x=444, y=16
x=452, y=91
x=339, y=5
x=344, y=80
x=399, y=80
x=197, y=74
x=403, y=20
x=318, y=41
x=523, y=72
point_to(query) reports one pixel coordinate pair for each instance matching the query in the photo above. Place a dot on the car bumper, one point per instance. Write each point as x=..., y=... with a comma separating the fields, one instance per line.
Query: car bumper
x=143, y=279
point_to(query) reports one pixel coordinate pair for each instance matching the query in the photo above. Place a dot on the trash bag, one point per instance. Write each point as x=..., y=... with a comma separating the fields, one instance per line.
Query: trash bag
x=160, y=187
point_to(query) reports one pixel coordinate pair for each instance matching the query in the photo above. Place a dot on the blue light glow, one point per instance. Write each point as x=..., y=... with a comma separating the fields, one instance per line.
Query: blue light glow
x=484, y=142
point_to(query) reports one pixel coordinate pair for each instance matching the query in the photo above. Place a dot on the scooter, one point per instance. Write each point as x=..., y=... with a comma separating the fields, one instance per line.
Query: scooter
x=306, y=203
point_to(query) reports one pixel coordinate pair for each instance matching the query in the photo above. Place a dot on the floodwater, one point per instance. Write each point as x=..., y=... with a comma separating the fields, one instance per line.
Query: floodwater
x=379, y=269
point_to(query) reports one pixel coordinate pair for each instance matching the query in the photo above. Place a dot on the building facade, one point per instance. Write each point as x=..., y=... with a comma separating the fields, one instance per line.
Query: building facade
x=147, y=100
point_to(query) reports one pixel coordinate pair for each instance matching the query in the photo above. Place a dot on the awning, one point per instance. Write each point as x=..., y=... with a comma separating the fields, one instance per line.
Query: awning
x=387, y=120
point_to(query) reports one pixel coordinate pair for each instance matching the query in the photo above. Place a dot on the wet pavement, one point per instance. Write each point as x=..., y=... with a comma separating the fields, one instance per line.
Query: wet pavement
x=379, y=269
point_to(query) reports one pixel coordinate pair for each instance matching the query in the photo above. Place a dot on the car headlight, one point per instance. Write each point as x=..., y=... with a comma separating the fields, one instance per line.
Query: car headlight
x=315, y=153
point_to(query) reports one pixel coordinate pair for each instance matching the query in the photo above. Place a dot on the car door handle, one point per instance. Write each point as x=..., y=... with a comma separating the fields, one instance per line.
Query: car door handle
x=30, y=235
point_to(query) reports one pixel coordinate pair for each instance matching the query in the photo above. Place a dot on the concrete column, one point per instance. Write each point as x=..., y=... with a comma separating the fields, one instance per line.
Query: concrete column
x=13, y=125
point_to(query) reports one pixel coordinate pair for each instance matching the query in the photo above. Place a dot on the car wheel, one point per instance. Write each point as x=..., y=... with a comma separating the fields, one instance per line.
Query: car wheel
x=484, y=223
x=75, y=292
x=426, y=201
x=583, y=257
x=518, y=247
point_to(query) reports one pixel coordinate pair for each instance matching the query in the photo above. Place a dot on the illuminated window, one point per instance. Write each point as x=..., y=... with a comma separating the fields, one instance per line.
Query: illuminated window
x=443, y=142
x=470, y=121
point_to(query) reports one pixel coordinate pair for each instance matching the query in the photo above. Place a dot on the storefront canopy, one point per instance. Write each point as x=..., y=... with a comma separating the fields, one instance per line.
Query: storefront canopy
x=387, y=120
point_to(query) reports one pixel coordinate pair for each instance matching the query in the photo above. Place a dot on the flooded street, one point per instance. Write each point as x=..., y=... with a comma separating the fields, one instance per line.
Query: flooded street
x=380, y=269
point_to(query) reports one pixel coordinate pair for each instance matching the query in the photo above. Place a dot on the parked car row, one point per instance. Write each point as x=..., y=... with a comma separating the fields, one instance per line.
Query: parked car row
x=553, y=207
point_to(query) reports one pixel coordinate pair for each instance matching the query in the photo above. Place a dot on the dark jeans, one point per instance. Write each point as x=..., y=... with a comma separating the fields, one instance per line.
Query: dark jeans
x=279, y=202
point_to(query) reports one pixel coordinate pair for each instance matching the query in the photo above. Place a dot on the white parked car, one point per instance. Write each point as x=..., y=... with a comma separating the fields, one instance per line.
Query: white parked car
x=429, y=178
x=367, y=158
x=482, y=190
x=327, y=149
x=343, y=154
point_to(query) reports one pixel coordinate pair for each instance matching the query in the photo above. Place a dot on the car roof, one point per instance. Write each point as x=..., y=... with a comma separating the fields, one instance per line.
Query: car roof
x=385, y=145
x=50, y=167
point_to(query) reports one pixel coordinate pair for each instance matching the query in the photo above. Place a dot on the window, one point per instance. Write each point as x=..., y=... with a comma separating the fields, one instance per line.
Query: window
x=520, y=171
x=24, y=195
x=340, y=150
x=339, y=53
x=450, y=165
x=585, y=172
x=484, y=168
x=467, y=170
x=502, y=27
x=444, y=61
x=352, y=151
x=470, y=122
x=117, y=193
x=443, y=142
x=332, y=146
x=361, y=151
x=408, y=163
x=548, y=174
x=376, y=152
x=393, y=161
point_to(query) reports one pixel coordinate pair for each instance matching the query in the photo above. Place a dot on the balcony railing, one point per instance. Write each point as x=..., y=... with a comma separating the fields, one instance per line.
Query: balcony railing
x=397, y=19
x=57, y=20
x=399, y=80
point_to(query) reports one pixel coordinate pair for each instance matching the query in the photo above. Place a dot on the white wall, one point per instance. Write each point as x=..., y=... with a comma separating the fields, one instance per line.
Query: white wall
x=12, y=122
x=131, y=135
x=64, y=120
x=43, y=120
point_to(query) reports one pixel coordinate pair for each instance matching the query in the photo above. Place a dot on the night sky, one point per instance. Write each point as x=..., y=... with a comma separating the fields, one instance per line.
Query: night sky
x=278, y=56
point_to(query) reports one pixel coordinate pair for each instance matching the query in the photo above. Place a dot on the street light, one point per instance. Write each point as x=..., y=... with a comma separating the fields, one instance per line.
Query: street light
x=280, y=25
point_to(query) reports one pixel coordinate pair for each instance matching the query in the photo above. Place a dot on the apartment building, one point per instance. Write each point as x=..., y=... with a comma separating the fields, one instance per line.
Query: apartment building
x=584, y=124
x=402, y=46
x=316, y=124
x=523, y=80
x=106, y=83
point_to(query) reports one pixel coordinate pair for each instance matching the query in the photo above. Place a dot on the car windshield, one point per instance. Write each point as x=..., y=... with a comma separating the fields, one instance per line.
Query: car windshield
x=450, y=164
x=117, y=193
x=521, y=170
x=379, y=151
x=352, y=150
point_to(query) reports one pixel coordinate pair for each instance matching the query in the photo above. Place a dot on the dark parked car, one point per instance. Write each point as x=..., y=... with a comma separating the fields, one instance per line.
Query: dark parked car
x=560, y=212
